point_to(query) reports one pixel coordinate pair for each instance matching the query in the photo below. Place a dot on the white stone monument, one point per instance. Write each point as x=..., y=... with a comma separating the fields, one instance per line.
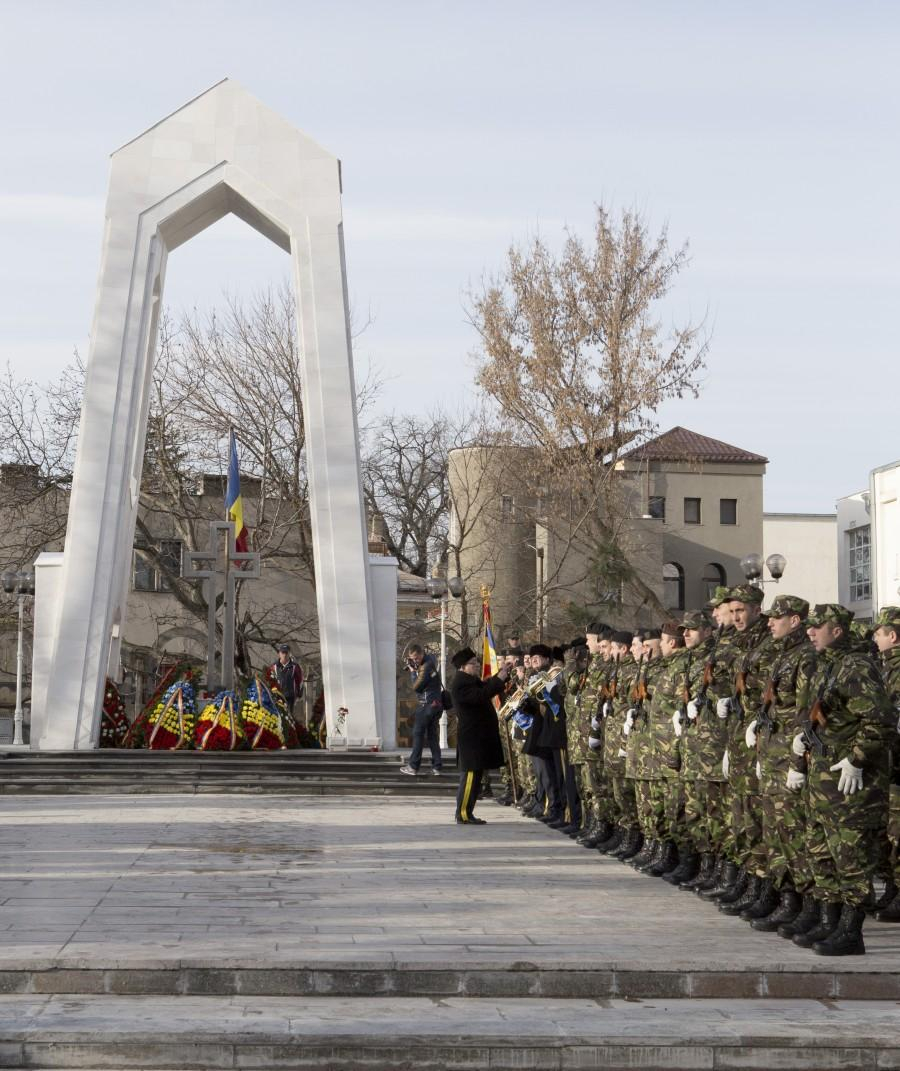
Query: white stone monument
x=222, y=152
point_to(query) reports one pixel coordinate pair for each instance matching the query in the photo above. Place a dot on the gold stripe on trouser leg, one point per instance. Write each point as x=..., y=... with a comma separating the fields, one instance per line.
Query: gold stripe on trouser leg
x=467, y=791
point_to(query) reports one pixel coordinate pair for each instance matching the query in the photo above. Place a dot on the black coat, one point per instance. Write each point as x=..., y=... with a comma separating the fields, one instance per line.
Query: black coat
x=477, y=734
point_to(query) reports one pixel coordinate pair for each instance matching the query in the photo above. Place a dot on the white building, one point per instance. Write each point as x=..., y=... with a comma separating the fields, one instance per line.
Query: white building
x=854, y=540
x=884, y=511
x=807, y=541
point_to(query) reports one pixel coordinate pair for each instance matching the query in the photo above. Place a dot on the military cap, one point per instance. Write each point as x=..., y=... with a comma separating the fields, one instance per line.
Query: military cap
x=747, y=593
x=888, y=617
x=830, y=613
x=697, y=619
x=622, y=637
x=462, y=657
x=671, y=628
x=720, y=595
x=785, y=605
x=540, y=650
x=579, y=641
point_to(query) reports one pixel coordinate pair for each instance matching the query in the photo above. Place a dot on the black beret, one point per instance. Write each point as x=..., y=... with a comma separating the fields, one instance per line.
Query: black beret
x=622, y=637
x=652, y=633
x=462, y=657
x=579, y=641
x=597, y=628
x=541, y=650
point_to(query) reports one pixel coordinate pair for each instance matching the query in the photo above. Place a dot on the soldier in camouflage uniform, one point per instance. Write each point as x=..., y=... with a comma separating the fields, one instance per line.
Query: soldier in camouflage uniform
x=773, y=730
x=646, y=649
x=750, y=667
x=577, y=729
x=595, y=786
x=846, y=781
x=887, y=640
x=622, y=679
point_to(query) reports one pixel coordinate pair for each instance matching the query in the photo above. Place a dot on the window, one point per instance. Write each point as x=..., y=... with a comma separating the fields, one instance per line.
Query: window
x=506, y=507
x=858, y=560
x=727, y=511
x=692, y=511
x=713, y=577
x=673, y=586
x=145, y=576
x=656, y=507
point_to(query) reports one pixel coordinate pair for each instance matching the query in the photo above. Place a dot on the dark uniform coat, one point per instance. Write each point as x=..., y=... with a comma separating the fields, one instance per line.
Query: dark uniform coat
x=477, y=734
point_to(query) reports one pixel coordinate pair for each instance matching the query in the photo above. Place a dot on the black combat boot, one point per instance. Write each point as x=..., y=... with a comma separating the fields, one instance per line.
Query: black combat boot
x=504, y=800
x=602, y=831
x=612, y=842
x=846, y=939
x=890, y=912
x=748, y=897
x=707, y=872
x=646, y=855
x=688, y=868
x=555, y=818
x=764, y=904
x=886, y=899
x=829, y=916
x=588, y=828
x=667, y=861
x=788, y=909
x=731, y=874
x=805, y=920
x=630, y=846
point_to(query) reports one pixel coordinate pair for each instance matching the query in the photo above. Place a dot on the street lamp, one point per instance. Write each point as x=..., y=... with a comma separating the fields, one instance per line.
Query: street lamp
x=752, y=565
x=20, y=584
x=438, y=588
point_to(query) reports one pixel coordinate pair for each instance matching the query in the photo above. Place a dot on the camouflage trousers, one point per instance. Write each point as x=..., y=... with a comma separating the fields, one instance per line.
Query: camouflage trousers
x=623, y=794
x=650, y=808
x=670, y=792
x=524, y=771
x=745, y=831
x=602, y=802
x=784, y=837
x=891, y=845
x=706, y=813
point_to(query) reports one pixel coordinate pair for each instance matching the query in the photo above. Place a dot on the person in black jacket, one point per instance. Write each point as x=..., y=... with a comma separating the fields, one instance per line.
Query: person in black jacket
x=477, y=735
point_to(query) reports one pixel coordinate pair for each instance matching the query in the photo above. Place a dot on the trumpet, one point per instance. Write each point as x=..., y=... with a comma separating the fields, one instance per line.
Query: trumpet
x=532, y=689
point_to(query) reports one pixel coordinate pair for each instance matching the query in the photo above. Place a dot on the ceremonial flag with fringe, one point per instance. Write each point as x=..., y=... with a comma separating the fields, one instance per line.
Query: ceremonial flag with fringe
x=234, y=506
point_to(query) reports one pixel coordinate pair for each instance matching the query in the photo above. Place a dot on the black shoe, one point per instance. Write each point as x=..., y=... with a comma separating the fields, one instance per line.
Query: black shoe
x=789, y=904
x=503, y=801
x=477, y=822
x=646, y=855
x=668, y=860
x=890, y=912
x=705, y=874
x=729, y=875
x=612, y=841
x=752, y=886
x=558, y=823
x=765, y=903
x=885, y=900
x=602, y=832
x=552, y=816
x=630, y=846
x=736, y=890
x=807, y=918
x=846, y=939
x=536, y=810
x=526, y=801
x=829, y=916
x=687, y=869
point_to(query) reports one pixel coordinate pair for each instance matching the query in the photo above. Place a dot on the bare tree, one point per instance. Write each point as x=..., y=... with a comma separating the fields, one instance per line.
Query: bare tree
x=574, y=354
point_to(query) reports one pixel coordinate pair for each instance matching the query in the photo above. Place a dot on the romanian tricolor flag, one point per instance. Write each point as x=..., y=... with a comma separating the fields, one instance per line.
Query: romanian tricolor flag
x=234, y=506
x=489, y=663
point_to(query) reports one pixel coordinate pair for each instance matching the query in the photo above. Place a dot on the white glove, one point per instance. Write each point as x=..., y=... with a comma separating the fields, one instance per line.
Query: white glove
x=798, y=746
x=851, y=779
x=750, y=734
x=622, y=753
x=795, y=780
x=607, y=708
x=723, y=708
x=629, y=721
x=693, y=711
x=758, y=770
x=725, y=764
x=676, y=723
x=594, y=743
x=595, y=723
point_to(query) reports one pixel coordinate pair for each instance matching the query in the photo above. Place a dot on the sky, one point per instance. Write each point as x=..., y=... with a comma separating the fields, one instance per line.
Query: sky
x=763, y=134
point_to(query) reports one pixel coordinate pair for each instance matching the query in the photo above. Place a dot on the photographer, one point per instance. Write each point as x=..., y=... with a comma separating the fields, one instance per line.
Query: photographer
x=426, y=683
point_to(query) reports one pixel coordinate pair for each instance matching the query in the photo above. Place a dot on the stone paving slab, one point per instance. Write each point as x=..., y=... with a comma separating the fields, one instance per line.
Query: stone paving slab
x=206, y=1032
x=352, y=885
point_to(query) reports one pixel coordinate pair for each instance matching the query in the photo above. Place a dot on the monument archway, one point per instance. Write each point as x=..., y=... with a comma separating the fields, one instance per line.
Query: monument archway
x=222, y=152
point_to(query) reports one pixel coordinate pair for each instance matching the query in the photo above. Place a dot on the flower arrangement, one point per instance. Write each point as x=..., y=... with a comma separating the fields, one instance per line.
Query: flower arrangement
x=221, y=727
x=136, y=736
x=172, y=721
x=113, y=720
x=269, y=726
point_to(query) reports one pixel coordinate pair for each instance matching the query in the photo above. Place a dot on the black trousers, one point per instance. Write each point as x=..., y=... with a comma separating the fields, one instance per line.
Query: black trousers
x=547, y=770
x=467, y=793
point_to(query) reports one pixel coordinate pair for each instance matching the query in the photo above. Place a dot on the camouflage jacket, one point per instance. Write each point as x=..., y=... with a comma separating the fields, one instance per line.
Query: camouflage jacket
x=860, y=726
x=751, y=667
x=664, y=760
x=578, y=726
x=890, y=672
x=614, y=738
x=791, y=671
x=592, y=695
x=638, y=745
x=705, y=739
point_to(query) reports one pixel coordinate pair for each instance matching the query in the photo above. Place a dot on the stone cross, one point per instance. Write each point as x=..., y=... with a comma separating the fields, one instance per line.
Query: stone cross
x=238, y=565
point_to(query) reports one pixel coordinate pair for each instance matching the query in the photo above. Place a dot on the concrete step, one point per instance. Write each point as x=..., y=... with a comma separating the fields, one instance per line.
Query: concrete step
x=408, y=1033
x=298, y=786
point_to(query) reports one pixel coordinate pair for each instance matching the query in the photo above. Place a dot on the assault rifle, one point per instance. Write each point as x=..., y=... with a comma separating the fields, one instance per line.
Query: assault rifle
x=683, y=718
x=639, y=691
x=817, y=721
x=709, y=670
x=740, y=690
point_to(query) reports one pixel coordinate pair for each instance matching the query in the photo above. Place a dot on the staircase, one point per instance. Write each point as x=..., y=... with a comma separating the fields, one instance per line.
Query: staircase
x=296, y=773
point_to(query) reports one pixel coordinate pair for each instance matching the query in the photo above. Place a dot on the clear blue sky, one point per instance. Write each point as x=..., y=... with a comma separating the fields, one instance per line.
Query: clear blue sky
x=766, y=134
